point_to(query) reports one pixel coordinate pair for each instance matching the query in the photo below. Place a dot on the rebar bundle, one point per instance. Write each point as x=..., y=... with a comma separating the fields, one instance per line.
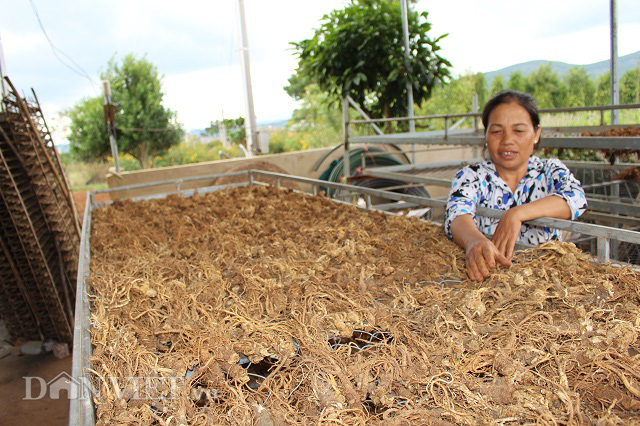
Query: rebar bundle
x=39, y=231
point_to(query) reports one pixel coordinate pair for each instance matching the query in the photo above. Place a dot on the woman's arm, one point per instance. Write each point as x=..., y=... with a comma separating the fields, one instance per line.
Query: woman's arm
x=508, y=229
x=481, y=254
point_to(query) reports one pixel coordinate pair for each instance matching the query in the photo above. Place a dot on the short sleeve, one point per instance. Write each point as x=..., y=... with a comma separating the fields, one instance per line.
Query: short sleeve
x=463, y=197
x=563, y=183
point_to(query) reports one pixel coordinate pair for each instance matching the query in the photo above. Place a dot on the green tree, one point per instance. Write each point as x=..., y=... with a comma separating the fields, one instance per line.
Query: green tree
x=297, y=86
x=315, y=124
x=630, y=87
x=145, y=128
x=481, y=88
x=545, y=86
x=603, y=89
x=580, y=88
x=235, y=128
x=517, y=81
x=497, y=85
x=454, y=97
x=88, y=132
x=358, y=51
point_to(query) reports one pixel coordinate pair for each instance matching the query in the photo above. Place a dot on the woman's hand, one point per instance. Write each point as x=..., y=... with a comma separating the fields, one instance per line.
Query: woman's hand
x=482, y=256
x=507, y=232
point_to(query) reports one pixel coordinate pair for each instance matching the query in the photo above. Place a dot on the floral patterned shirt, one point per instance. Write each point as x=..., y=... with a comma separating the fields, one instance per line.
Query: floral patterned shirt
x=479, y=185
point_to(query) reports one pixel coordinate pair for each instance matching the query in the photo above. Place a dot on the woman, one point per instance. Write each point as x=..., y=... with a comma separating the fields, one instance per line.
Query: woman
x=514, y=180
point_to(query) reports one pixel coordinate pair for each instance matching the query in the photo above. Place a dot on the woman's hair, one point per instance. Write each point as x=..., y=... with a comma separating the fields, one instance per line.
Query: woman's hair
x=525, y=100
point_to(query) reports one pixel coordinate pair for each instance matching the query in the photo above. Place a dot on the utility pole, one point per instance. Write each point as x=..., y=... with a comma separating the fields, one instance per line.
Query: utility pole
x=110, y=117
x=615, y=84
x=3, y=73
x=405, y=30
x=252, y=136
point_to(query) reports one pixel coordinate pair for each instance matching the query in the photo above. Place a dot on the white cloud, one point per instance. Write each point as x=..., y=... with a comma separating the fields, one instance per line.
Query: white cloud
x=200, y=96
x=16, y=43
x=490, y=35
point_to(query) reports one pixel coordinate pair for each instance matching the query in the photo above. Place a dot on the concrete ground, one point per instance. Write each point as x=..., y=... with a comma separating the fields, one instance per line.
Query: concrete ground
x=15, y=410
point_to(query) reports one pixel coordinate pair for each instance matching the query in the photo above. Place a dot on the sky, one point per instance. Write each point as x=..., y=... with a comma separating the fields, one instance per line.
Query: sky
x=195, y=45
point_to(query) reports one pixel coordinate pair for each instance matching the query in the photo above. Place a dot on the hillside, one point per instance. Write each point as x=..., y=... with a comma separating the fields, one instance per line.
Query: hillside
x=596, y=69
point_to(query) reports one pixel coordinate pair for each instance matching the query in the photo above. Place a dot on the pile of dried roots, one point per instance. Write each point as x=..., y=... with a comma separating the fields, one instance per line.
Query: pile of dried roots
x=611, y=154
x=265, y=306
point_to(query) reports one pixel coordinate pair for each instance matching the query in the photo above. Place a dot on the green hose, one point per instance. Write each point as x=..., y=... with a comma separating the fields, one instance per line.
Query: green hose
x=379, y=158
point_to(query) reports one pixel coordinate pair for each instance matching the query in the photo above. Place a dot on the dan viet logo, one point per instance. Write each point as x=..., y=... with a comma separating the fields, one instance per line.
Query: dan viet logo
x=136, y=388
x=61, y=386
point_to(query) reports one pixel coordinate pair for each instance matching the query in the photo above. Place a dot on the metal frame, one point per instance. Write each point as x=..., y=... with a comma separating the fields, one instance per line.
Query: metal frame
x=572, y=164
x=582, y=142
x=594, y=203
x=601, y=108
x=82, y=411
x=614, y=204
x=474, y=137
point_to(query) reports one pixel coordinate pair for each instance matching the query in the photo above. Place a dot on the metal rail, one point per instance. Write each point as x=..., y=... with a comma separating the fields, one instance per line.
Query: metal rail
x=561, y=224
x=572, y=164
x=594, y=203
x=81, y=409
x=479, y=114
x=579, y=142
x=474, y=137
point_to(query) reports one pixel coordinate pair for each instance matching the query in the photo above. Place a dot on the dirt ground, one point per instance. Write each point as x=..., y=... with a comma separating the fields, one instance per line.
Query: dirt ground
x=14, y=409
x=80, y=197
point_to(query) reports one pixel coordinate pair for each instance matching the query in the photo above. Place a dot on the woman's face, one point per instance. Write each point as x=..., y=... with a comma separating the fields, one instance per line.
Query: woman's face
x=511, y=137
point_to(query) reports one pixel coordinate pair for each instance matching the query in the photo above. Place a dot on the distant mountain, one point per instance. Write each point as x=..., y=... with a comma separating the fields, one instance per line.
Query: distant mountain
x=260, y=124
x=276, y=123
x=625, y=63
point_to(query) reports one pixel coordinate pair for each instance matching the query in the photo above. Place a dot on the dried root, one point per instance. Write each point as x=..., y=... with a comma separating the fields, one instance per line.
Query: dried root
x=267, y=307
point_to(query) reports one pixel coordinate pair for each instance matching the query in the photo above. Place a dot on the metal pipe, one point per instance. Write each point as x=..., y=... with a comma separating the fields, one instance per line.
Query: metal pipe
x=594, y=204
x=345, y=128
x=573, y=165
x=364, y=114
x=111, y=125
x=475, y=108
x=471, y=114
x=81, y=409
x=615, y=86
x=170, y=181
x=578, y=142
x=603, y=248
x=252, y=138
x=404, y=6
x=3, y=72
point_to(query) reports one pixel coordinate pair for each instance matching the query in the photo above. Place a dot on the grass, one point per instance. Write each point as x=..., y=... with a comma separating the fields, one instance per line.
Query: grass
x=85, y=176
x=93, y=187
x=587, y=118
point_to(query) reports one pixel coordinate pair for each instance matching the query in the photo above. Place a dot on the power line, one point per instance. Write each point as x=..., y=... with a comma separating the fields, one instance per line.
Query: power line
x=148, y=129
x=78, y=69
